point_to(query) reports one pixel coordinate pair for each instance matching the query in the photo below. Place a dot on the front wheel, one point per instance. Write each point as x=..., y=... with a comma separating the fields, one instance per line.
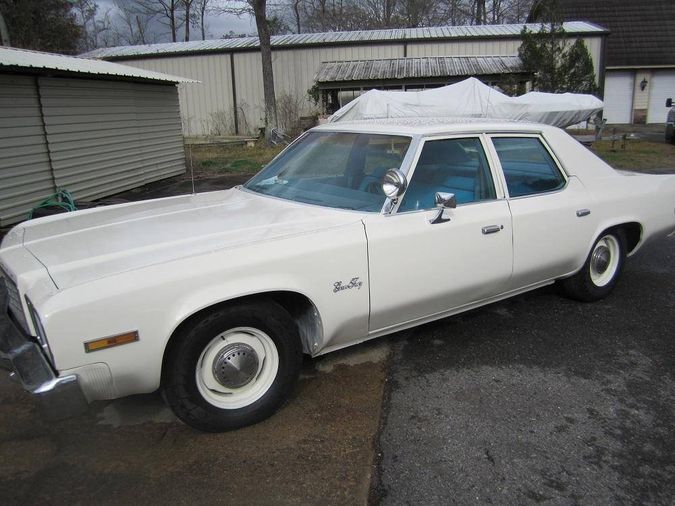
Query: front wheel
x=233, y=368
x=602, y=269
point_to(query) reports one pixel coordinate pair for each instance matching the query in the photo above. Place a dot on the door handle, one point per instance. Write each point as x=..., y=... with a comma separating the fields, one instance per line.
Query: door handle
x=492, y=229
x=583, y=212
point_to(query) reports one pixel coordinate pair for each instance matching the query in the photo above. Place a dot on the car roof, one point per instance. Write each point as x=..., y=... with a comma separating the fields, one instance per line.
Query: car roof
x=432, y=126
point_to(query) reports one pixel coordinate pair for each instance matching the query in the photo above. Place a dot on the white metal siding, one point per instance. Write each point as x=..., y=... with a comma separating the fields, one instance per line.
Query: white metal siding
x=250, y=97
x=105, y=137
x=204, y=105
x=662, y=87
x=25, y=176
x=618, y=97
x=93, y=138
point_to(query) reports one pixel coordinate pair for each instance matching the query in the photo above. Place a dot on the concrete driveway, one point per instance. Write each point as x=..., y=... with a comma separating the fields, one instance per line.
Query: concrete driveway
x=535, y=399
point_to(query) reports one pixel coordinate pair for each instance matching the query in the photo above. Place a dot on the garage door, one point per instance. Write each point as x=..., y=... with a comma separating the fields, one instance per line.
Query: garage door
x=663, y=87
x=619, y=97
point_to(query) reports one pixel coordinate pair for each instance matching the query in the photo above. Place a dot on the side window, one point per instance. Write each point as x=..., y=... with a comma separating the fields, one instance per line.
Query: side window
x=528, y=167
x=456, y=166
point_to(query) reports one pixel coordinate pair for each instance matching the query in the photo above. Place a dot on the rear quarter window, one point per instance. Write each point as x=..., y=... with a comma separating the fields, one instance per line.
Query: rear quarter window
x=528, y=167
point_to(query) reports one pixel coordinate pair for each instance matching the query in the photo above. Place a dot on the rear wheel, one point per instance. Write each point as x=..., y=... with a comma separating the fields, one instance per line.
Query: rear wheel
x=233, y=368
x=602, y=269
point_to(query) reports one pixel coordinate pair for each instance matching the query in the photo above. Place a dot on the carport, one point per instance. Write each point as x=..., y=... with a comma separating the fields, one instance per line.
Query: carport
x=340, y=82
x=90, y=127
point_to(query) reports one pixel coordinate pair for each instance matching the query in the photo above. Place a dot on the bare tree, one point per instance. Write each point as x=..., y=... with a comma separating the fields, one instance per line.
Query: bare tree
x=380, y=13
x=166, y=12
x=96, y=28
x=259, y=10
x=295, y=4
x=132, y=24
x=187, y=9
x=202, y=7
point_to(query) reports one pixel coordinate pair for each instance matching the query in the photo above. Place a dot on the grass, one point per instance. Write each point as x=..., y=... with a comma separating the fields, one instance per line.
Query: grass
x=638, y=155
x=211, y=160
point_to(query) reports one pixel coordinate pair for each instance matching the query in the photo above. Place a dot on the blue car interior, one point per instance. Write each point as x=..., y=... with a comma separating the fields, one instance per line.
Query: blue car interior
x=528, y=167
x=452, y=166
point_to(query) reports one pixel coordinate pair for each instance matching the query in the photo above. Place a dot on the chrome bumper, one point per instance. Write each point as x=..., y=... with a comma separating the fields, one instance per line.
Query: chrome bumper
x=59, y=397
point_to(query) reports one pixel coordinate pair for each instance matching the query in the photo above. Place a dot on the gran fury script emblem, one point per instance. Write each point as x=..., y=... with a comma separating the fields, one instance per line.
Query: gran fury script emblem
x=338, y=286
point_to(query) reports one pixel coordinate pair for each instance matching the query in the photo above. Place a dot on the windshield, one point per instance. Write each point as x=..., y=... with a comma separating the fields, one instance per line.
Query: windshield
x=333, y=169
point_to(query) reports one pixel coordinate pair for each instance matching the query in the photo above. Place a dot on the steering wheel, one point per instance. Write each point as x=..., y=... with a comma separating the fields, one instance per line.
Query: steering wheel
x=371, y=184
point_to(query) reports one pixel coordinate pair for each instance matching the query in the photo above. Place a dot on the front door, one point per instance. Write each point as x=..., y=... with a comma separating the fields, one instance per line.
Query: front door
x=419, y=268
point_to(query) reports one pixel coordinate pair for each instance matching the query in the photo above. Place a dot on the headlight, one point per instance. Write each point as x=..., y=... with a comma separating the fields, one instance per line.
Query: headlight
x=14, y=302
x=40, y=331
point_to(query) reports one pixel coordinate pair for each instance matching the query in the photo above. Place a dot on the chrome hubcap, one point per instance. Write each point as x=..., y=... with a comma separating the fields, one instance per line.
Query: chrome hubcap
x=605, y=260
x=235, y=365
x=601, y=259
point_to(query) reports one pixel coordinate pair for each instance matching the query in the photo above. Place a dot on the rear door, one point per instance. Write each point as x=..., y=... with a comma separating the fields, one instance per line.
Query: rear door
x=552, y=213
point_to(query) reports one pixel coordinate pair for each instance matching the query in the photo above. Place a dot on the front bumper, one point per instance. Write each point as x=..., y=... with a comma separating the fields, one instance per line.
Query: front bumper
x=59, y=397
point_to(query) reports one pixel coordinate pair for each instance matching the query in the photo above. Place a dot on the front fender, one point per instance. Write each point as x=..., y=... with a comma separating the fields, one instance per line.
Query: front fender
x=157, y=299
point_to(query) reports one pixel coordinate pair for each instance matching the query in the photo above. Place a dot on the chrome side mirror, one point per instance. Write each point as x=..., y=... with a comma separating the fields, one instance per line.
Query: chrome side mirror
x=394, y=183
x=443, y=201
x=446, y=200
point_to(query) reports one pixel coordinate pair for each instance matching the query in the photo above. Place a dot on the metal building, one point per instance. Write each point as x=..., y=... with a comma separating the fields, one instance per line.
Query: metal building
x=639, y=62
x=230, y=100
x=93, y=128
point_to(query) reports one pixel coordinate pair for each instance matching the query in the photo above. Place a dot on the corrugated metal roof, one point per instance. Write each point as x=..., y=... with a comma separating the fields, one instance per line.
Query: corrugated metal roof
x=335, y=38
x=13, y=59
x=423, y=67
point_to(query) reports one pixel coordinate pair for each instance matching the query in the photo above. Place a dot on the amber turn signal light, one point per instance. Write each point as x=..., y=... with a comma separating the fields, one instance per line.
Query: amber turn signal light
x=109, y=342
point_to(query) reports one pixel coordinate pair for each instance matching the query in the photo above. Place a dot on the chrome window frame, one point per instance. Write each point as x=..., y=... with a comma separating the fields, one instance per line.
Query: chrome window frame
x=562, y=172
x=410, y=173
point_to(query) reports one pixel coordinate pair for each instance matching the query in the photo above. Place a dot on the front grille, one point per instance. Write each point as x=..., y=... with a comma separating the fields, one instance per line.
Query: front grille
x=14, y=302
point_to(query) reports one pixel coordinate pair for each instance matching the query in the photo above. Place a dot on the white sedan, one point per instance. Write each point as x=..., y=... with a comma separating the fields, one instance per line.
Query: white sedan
x=355, y=231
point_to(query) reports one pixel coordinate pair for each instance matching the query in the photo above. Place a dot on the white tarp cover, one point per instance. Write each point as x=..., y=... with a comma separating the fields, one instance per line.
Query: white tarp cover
x=471, y=99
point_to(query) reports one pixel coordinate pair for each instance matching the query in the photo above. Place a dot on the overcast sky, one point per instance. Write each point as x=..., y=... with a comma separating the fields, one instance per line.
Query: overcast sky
x=217, y=26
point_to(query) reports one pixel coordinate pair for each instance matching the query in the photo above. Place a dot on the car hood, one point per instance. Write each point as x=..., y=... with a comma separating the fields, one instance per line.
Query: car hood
x=86, y=245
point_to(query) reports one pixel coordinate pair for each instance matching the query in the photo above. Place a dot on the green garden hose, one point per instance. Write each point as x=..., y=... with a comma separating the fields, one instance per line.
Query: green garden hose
x=62, y=199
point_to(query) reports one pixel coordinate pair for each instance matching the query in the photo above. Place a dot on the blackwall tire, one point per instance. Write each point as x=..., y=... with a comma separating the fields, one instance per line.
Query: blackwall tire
x=234, y=367
x=601, y=271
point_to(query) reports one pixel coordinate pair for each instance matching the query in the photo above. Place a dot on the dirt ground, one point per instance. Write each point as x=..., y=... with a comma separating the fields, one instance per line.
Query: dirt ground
x=319, y=449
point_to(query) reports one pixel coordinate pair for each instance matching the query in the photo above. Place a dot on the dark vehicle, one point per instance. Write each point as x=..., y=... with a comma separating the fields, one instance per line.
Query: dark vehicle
x=670, y=122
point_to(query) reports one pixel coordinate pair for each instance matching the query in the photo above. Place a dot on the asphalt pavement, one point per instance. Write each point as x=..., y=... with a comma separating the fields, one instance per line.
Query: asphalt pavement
x=538, y=399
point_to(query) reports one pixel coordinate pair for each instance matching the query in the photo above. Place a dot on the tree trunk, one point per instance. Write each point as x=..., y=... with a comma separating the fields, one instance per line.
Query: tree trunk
x=296, y=11
x=141, y=31
x=172, y=19
x=480, y=12
x=187, y=4
x=260, y=10
x=202, y=15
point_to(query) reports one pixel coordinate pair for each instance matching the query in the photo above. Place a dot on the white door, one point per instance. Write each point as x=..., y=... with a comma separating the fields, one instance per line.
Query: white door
x=618, y=97
x=662, y=87
x=553, y=216
x=419, y=268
